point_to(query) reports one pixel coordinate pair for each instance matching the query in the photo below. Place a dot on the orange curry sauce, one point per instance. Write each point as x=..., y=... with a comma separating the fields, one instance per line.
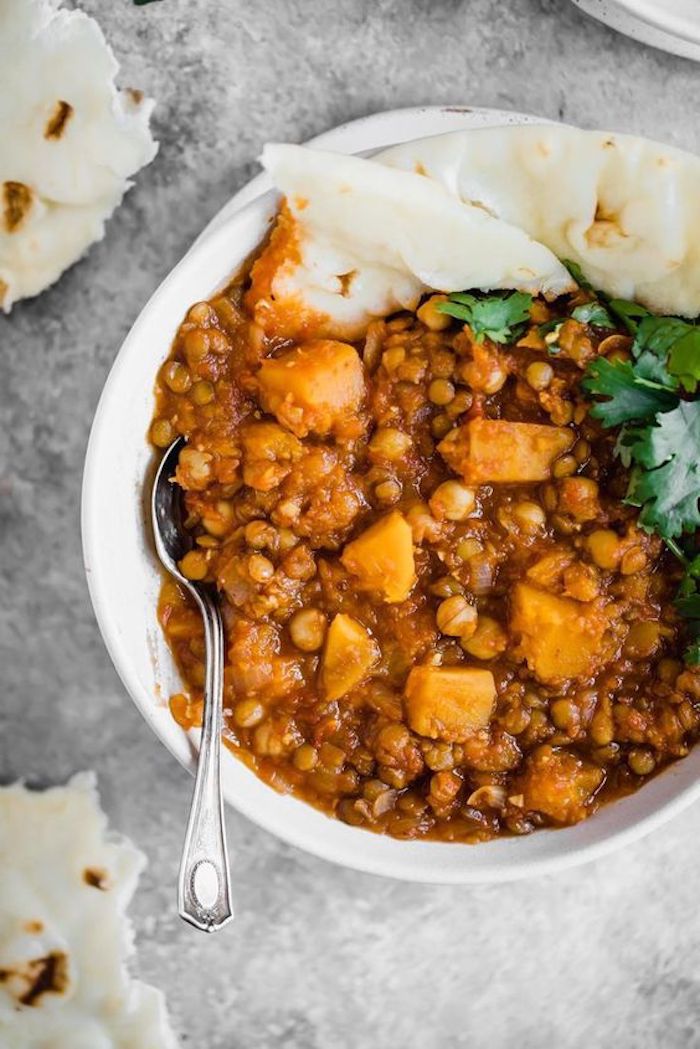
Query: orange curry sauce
x=441, y=619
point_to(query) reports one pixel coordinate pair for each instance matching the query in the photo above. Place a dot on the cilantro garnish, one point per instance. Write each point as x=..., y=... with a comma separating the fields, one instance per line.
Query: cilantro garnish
x=631, y=396
x=497, y=317
x=630, y=313
x=593, y=313
x=666, y=480
x=660, y=436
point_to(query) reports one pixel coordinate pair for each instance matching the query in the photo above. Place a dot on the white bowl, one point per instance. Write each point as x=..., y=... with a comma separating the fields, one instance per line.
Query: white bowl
x=671, y=25
x=124, y=580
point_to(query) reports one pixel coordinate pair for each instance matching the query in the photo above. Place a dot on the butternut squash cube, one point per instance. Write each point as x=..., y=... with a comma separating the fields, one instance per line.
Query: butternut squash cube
x=313, y=388
x=382, y=558
x=492, y=451
x=349, y=655
x=559, y=784
x=449, y=703
x=559, y=638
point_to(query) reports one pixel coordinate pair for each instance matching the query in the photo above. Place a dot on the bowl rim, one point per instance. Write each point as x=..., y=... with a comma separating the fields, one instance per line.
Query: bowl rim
x=370, y=853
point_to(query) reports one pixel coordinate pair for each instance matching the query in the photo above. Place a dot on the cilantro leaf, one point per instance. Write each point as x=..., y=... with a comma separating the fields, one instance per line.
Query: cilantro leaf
x=692, y=652
x=668, y=486
x=578, y=274
x=632, y=397
x=684, y=358
x=593, y=313
x=689, y=607
x=658, y=334
x=630, y=313
x=495, y=316
x=668, y=351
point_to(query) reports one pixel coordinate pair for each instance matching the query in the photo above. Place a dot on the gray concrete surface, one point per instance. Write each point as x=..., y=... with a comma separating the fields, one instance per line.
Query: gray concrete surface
x=320, y=958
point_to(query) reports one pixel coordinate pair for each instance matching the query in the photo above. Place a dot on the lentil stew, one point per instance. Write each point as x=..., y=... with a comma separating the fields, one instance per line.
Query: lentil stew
x=442, y=619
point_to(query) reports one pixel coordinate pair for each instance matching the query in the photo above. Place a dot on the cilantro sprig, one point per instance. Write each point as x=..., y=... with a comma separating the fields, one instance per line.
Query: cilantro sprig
x=631, y=396
x=648, y=397
x=498, y=317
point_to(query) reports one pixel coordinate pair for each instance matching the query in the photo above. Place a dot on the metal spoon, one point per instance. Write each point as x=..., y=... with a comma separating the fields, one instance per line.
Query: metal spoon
x=204, y=890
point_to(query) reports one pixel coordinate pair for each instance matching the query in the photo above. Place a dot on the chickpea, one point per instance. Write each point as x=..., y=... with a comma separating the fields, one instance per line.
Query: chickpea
x=441, y=426
x=456, y=617
x=605, y=548
x=176, y=377
x=305, y=757
x=529, y=516
x=488, y=641
x=643, y=639
x=194, y=565
x=200, y=313
x=565, y=466
x=452, y=500
x=461, y=403
x=390, y=443
x=616, y=345
x=287, y=540
x=641, y=761
x=162, y=433
x=488, y=376
x=635, y=560
x=218, y=519
x=261, y=535
x=433, y=318
x=441, y=392
x=539, y=374
x=196, y=467
x=307, y=629
x=260, y=568
x=388, y=492
x=248, y=712
x=196, y=347
x=202, y=393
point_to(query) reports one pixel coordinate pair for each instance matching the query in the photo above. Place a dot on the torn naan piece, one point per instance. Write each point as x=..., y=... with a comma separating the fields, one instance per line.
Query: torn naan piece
x=70, y=142
x=65, y=884
x=626, y=209
x=356, y=240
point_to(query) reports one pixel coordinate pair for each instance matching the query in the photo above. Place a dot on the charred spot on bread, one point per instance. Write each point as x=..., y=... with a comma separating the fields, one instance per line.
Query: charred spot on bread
x=17, y=203
x=58, y=120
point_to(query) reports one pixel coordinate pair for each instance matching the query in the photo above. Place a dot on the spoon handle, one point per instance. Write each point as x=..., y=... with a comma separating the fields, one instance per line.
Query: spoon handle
x=204, y=891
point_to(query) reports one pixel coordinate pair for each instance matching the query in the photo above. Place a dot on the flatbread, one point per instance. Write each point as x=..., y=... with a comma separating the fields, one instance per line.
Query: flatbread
x=65, y=884
x=626, y=209
x=358, y=240
x=70, y=142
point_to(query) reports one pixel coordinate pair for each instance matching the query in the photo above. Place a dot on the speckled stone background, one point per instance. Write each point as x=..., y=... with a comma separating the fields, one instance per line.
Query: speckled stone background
x=319, y=958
